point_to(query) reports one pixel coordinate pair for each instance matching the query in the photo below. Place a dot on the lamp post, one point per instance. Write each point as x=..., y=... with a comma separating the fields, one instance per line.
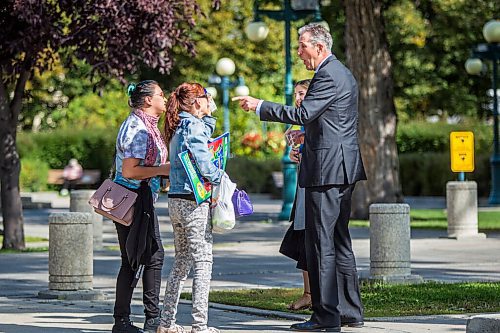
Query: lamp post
x=225, y=67
x=257, y=31
x=490, y=51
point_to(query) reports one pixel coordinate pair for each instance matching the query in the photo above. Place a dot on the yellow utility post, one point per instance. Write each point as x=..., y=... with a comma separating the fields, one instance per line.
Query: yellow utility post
x=462, y=151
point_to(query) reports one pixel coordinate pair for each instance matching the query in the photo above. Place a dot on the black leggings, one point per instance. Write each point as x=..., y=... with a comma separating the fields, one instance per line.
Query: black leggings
x=151, y=279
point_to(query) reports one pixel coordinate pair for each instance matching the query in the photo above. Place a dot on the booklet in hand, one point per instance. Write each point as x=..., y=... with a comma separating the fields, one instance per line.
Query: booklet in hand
x=202, y=188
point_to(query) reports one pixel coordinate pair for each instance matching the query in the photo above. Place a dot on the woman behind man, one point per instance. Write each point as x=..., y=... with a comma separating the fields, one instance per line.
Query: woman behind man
x=188, y=127
x=141, y=157
x=293, y=245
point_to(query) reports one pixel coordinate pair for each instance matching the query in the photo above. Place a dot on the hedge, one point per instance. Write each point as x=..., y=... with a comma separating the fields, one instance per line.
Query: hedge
x=421, y=137
x=426, y=174
x=252, y=175
x=423, y=155
x=33, y=175
x=92, y=148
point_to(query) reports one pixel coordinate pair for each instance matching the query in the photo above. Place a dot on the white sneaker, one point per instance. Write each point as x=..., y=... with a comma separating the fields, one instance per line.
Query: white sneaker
x=208, y=330
x=172, y=329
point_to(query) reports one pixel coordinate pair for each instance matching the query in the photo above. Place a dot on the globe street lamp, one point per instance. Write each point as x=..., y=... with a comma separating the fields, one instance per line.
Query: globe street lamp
x=490, y=51
x=225, y=67
x=257, y=31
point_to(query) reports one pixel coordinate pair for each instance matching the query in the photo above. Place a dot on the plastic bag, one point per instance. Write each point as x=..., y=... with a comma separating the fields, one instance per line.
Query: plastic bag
x=223, y=218
x=242, y=204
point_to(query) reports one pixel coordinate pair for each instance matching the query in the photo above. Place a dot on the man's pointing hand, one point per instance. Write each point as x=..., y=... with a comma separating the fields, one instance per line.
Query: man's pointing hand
x=247, y=103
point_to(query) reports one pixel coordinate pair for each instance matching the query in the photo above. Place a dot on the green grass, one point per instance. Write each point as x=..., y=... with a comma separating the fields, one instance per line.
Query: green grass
x=381, y=300
x=359, y=223
x=430, y=298
x=27, y=239
x=436, y=219
x=26, y=250
x=30, y=239
x=489, y=220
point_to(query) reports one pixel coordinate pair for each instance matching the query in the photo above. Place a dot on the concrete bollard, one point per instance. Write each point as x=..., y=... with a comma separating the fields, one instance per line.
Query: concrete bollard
x=79, y=202
x=485, y=323
x=70, y=257
x=461, y=206
x=390, y=244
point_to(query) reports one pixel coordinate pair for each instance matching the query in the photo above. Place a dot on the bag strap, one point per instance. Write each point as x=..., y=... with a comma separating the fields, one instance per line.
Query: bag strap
x=112, y=169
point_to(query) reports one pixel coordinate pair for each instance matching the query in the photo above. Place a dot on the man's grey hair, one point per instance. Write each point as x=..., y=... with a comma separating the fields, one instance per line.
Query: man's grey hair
x=318, y=34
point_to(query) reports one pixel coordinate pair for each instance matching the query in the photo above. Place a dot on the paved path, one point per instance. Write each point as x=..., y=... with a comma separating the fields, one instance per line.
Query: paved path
x=245, y=258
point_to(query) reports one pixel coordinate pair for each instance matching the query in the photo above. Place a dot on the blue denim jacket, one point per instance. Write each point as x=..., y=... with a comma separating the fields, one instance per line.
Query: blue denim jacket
x=192, y=134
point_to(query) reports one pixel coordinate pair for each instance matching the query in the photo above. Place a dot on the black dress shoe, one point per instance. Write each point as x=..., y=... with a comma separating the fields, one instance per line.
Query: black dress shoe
x=310, y=326
x=354, y=324
x=351, y=322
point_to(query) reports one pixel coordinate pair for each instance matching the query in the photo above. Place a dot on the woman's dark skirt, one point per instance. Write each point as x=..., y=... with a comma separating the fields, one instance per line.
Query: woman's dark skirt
x=293, y=246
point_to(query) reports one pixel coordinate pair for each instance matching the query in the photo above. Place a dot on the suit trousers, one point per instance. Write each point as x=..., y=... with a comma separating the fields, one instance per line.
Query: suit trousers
x=330, y=260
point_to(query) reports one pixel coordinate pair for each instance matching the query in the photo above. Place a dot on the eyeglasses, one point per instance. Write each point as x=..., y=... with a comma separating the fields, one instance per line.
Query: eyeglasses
x=205, y=95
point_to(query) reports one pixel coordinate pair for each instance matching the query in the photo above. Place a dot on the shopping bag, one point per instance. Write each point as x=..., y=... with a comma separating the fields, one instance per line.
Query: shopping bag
x=223, y=218
x=242, y=204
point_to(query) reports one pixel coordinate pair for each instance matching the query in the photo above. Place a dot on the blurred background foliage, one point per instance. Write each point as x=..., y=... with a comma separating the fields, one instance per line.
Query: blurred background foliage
x=429, y=43
x=423, y=155
x=430, y=40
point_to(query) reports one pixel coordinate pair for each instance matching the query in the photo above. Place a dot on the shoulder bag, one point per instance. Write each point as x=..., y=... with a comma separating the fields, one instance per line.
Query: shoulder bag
x=114, y=201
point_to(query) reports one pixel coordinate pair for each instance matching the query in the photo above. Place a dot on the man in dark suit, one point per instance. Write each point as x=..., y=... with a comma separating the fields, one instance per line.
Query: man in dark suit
x=330, y=167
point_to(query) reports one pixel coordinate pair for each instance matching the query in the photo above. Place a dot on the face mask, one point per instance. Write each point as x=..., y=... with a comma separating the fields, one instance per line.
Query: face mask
x=212, y=105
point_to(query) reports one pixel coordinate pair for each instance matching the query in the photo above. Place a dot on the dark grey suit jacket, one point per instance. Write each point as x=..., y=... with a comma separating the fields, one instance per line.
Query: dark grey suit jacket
x=329, y=114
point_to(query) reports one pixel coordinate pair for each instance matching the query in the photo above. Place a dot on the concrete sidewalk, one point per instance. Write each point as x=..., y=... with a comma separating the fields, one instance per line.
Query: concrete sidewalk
x=31, y=315
x=247, y=257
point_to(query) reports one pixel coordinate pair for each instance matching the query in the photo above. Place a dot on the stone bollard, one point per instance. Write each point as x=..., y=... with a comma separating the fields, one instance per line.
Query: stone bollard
x=461, y=206
x=79, y=202
x=390, y=244
x=70, y=257
x=485, y=323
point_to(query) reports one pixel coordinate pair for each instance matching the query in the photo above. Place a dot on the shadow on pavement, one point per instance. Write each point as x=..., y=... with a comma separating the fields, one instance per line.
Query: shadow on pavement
x=24, y=328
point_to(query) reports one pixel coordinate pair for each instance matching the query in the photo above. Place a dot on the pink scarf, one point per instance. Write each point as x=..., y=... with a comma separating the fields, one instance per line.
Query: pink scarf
x=155, y=140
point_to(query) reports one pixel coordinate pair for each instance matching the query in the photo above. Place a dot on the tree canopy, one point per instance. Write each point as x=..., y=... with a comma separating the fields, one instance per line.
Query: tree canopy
x=217, y=34
x=113, y=37
x=430, y=40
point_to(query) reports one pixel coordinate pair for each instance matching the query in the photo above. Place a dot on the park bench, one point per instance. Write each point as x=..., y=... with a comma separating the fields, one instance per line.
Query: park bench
x=89, y=177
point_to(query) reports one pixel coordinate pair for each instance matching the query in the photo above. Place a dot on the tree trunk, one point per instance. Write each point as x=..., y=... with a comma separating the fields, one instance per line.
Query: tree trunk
x=12, y=212
x=369, y=59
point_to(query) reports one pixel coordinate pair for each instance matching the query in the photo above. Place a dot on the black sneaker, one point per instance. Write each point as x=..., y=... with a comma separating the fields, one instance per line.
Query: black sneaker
x=124, y=325
x=151, y=324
